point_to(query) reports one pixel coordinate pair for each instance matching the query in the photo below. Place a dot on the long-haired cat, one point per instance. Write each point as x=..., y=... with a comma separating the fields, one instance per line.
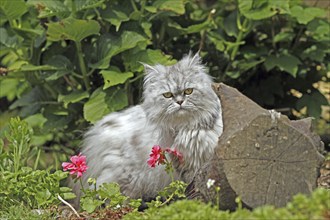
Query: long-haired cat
x=179, y=110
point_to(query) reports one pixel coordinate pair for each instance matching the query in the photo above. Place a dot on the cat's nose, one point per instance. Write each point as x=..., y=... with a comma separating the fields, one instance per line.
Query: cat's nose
x=179, y=102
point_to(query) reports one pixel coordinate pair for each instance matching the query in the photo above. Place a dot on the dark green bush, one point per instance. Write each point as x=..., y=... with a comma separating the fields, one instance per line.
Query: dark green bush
x=65, y=63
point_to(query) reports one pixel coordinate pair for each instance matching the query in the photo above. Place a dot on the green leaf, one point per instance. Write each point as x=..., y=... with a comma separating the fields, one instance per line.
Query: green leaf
x=69, y=195
x=87, y=4
x=314, y=53
x=176, y=6
x=72, y=29
x=285, y=62
x=133, y=60
x=305, y=15
x=37, y=120
x=261, y=9
x=13, y=9
x=313, y=101
x=217, y=41
x=230, y=24
x=8, y=88
x=195, y=28
x=50, y=8
x=63, y=67
x=110, y=45
x=89, y=204
x=115, y=15
x=103, y=102
x=319, y=30
x=283, y=36
x=112, y=77
x=6, y=40
x=73, y=97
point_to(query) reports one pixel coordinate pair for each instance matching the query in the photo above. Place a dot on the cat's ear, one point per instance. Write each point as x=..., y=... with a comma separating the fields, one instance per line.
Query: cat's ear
x=149, y=69
x=194, y=60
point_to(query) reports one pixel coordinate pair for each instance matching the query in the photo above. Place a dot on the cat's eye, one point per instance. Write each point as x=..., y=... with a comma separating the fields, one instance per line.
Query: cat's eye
x=167, y=94
x=188, y=91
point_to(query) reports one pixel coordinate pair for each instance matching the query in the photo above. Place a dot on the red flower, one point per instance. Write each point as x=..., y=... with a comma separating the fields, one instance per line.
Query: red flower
x=157, y=155
x=77, y=166
x=175, y=153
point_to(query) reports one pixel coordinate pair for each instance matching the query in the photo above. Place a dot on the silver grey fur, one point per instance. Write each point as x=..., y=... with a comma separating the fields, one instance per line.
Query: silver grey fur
x=118, y=146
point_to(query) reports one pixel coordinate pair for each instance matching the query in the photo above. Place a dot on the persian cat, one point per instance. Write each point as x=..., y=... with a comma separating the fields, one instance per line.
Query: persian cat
x=180, y=110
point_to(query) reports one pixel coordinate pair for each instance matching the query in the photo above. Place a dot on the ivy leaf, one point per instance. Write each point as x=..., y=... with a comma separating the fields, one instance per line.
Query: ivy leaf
x=112, y=77
x=73, y=97
x=176, y=6
x=285, y=62
x=13, y=9
x=305, y=15
x=110, y=45
x=103, y=102
x=72, y=29
x=313, y=102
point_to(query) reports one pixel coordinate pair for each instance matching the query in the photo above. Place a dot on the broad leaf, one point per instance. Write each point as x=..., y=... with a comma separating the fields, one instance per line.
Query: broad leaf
x=110, y=45
x=13, y=9
x=8, y=88
x=176, y=6
x=133, y=60
x=73, y=97
x=285, y=62
x=90, y=204
x=313, y=101
x=50, y=8
x=72, y=29
x=192, y=28
x=103, y=102
x=6, y=40
x=86, y=4
x=261, y=9
x=63, y=66
x=115, y=15
x=113, y=77
x=305, y=15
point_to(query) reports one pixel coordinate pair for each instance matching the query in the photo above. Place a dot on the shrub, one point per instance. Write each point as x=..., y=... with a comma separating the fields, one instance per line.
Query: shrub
x=67, y=63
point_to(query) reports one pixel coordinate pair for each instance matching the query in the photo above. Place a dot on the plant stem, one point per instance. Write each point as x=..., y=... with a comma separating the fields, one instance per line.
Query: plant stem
x=82, y=64
x=82, y=186
x=239, y=38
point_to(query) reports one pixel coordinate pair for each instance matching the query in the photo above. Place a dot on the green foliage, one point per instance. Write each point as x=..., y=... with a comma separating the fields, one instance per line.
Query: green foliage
x=107, y=194
x=23, y=212
x=176, y=190
x=32, y=188
x=68, y=63
x=22, y=185
x=302, y=207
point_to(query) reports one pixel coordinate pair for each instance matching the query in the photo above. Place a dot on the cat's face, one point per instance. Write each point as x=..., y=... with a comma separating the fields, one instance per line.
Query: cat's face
x=173, y=94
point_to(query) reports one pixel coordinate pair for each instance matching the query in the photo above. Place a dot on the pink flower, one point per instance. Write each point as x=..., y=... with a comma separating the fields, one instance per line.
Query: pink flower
x=77, y=166
x=157, y=155
x=175, y=153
